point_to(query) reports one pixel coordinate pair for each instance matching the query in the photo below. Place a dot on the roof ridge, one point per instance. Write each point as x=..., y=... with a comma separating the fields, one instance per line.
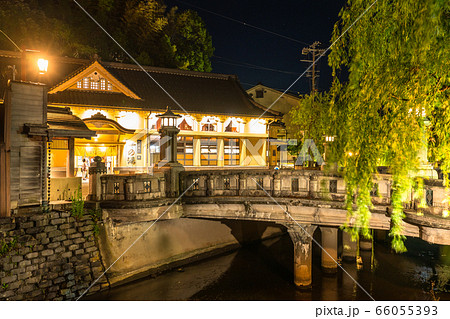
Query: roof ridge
x=155, y=69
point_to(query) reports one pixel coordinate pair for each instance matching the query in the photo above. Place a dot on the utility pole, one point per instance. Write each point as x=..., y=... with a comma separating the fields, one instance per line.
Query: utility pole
x=313, y=73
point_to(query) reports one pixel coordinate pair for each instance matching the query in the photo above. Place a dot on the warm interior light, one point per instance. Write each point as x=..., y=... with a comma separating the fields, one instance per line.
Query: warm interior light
x=445, y=213
x=42, y=66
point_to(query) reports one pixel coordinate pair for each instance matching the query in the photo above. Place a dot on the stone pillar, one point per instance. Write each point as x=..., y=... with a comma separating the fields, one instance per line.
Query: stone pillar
x=70, y=169
x=313, y=186
x=276, y=184
x=209, y=185
x=365, y=244
x=162, y=186
x=349, y=248
x=129, y=188
x=302, y=239
x=96, y=170
x=242, y=184
x=330, y=245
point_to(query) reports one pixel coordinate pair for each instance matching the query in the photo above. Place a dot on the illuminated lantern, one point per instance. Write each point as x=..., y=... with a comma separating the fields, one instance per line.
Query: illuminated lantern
x=168, y=132
x=42, y=66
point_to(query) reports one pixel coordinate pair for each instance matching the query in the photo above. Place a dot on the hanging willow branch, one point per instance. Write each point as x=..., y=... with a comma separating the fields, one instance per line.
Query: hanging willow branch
x=397, y=60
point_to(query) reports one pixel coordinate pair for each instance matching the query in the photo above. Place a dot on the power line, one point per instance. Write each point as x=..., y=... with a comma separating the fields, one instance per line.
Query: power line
x=243, y=23
x=252, y=66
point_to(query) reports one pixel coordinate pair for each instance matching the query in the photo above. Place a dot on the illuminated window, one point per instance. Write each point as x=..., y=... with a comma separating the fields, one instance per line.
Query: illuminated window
x=208, y=127
x=231, y=150
x=231, y=128
x=208, y=151
x=94, y=85
x=97, y=84
x=185, y=150
x=184, y=126
x=154, y=146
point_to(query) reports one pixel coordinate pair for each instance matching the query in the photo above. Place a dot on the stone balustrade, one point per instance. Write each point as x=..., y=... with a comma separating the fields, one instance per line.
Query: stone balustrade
x=278, y=183
x=133, y=187
x=310, y=184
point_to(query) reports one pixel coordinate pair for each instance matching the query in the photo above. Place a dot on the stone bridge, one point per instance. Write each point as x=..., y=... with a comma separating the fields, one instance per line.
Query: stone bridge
x=300, y=200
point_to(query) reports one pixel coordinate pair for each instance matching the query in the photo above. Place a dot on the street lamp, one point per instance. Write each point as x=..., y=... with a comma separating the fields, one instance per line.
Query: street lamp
x=168, y=119
x=168, y=132
x=42, y=66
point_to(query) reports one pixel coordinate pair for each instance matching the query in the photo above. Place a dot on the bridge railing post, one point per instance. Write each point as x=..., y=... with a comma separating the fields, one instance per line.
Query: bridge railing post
x=209, y=185
x=129, y=188
x=104, y=183
x=162, y=186
x=276, y=181
x=313, y=186
x=242, y=184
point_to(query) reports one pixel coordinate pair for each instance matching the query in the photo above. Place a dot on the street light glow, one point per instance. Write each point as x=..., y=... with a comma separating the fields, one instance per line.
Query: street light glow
x=42, y=66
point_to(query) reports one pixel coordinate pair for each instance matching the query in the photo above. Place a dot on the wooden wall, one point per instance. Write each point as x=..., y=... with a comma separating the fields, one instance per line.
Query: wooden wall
x=28, y=169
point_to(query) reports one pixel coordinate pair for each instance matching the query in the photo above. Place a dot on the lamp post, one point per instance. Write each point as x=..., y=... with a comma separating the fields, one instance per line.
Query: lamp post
x=168, y=148
x=168, y=132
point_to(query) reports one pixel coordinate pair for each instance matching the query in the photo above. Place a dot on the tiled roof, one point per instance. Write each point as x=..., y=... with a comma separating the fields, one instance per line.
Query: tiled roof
x=197, y=92
x=63, y=123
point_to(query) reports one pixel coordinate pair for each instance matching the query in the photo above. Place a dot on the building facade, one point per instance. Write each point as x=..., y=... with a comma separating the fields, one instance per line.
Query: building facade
x=220, y=125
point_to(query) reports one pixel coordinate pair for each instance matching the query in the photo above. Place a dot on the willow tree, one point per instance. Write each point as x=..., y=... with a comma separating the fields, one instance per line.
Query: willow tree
x=391, y=76
x=308, y=120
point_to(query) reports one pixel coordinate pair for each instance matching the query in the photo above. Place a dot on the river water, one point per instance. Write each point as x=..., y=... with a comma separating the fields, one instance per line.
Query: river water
x=264, y=271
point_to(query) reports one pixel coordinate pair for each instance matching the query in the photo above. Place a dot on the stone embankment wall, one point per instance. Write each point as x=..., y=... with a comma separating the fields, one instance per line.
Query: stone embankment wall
x=48, y=256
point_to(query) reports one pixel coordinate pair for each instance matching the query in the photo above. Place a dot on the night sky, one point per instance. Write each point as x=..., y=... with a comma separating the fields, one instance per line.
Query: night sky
x=303, y=20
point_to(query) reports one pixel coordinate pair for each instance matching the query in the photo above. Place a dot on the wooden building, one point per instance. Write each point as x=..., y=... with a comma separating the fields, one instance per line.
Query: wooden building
x=220, y=124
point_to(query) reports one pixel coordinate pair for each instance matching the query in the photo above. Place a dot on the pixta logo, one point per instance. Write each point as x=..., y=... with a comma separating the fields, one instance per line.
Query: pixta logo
x=304, y=156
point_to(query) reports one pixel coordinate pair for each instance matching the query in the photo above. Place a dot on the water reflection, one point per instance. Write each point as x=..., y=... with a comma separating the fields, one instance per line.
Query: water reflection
x=264, y=272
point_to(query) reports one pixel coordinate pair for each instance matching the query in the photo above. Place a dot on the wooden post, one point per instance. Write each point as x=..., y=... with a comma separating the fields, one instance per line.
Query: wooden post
x=70, y=170
x=5, y=148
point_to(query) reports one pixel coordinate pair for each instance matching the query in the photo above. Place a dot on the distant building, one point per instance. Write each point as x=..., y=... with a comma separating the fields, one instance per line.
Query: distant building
x=265, y=96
